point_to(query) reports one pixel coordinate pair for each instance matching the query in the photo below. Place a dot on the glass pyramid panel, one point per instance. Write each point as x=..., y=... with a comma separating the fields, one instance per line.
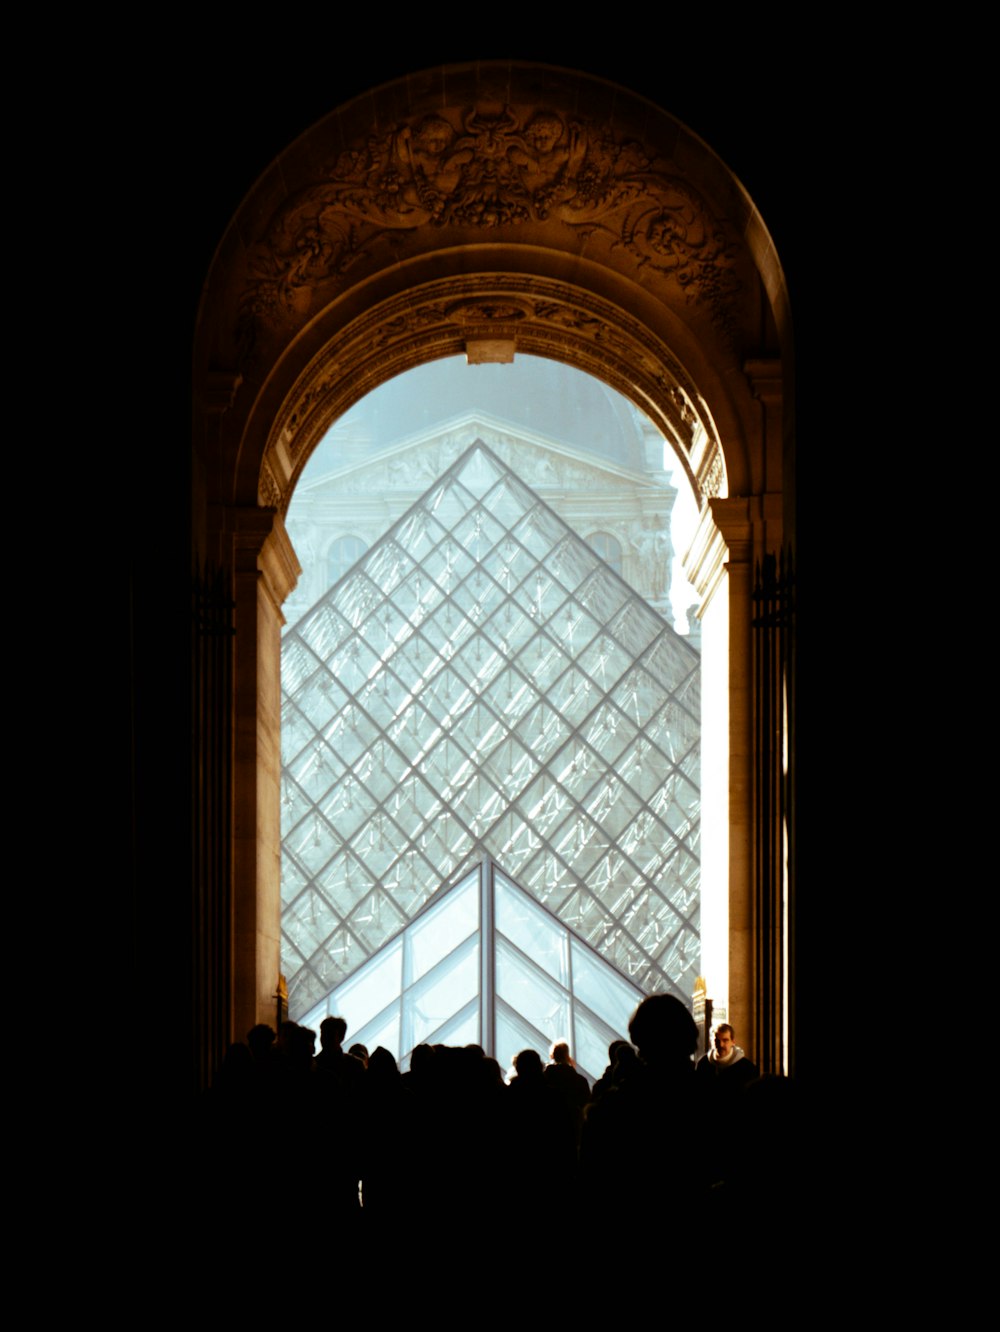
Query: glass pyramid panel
x=428, y=984
x=482, y=683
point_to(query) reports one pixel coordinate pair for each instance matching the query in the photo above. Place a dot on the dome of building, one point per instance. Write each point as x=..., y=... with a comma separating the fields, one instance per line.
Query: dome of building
x=541, y=396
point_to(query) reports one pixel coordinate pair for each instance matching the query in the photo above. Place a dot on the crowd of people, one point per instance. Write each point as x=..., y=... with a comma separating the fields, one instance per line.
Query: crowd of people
x=453, y=1132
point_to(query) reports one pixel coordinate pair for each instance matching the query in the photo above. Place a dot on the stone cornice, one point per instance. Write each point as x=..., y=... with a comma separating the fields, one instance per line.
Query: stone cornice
x=262, y=544
x=764, y=374
x=731, y=531
x=734, y=519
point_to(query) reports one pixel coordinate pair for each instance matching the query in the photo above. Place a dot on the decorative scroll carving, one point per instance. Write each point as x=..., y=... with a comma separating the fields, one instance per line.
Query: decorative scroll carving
x=487, y=168
x=579, y=321
x=269, y=492
x=487, y=312
x=409, y=322
x=710, y=473
x=684, y=409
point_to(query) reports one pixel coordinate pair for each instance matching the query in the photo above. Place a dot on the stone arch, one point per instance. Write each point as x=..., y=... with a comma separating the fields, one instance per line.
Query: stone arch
x=488, y=209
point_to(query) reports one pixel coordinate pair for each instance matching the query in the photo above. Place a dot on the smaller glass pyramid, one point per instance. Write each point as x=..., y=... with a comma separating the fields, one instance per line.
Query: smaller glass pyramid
x=484, y=964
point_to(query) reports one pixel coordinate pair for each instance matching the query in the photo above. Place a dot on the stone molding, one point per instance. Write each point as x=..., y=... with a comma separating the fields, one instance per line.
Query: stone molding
x=262, y=544
x=540, y=315
x=731, y=531
x=764, y=374
x=705, y=562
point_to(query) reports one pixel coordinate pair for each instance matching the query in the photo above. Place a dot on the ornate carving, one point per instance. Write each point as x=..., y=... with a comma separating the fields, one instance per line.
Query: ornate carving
x=579, y=321
x=409, y=322
x=654, y=552
x=418, y=466
x=486, y=312
x=684, y=409
x=486, y=168
x=554, y=319
x=269, y=492
x=711, y=472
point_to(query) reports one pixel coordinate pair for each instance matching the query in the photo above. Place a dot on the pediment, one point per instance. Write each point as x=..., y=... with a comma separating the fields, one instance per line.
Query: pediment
x=418, y=461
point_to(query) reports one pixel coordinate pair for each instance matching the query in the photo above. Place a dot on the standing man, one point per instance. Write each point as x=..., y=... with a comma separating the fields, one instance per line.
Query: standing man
x=725, y=1063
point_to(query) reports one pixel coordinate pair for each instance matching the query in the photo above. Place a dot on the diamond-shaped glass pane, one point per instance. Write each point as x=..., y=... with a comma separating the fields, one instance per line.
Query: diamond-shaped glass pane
x=483, y=683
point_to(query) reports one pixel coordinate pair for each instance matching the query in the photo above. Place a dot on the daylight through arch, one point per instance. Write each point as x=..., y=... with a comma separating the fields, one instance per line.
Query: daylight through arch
x=481, y=682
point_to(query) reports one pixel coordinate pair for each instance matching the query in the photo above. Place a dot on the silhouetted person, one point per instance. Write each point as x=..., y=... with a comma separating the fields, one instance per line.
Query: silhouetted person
x=388, y=1146
x=332, y=1063
x=639, y=1151
x=542, y=1143
x=571, y=1087
x=340, y=1085
x=622, y=1058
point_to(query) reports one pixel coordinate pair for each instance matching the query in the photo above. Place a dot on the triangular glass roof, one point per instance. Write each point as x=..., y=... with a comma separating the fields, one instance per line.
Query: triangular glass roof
x=484, y=964
x=482, y=683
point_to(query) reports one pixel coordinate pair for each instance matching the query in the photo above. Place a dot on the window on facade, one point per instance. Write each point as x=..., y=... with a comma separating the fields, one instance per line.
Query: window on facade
x=608, y=547
x=342, y=555
x=483, y=688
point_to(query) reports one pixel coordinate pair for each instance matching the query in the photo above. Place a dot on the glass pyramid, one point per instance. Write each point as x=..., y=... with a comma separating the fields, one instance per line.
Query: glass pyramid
x=479, y=684
x=429, y=984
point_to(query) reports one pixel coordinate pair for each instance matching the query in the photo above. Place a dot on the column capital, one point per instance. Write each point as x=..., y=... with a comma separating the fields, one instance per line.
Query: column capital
x=732, y=531
x=733, y=517
x=261, y=545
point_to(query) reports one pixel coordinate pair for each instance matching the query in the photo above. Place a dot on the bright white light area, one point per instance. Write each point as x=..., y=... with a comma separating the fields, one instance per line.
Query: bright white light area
x=583, y=447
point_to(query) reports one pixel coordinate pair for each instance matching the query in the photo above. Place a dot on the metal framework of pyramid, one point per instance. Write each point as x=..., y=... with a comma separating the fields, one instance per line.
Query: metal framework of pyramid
x=484, y=964
x=480, y=684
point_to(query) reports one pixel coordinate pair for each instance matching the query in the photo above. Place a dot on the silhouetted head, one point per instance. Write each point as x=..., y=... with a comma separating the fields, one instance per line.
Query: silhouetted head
x=560, y=1053
x=260, y=1039
x=663, y=1029
x=528, y=1064
x=421, y=1058
x=359, y=1051
x=626, y=1060
x=332, y=1031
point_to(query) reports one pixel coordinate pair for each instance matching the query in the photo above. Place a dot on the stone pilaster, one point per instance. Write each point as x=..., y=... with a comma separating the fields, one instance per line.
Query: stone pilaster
x=733, y=534
x=266, y=570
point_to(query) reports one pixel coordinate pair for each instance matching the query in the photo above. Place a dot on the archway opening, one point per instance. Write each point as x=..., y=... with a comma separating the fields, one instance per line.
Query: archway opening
x=497, y=676
x=624, y=247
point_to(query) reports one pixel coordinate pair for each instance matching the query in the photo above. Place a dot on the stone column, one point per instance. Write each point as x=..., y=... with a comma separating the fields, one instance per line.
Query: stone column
x=266, y=571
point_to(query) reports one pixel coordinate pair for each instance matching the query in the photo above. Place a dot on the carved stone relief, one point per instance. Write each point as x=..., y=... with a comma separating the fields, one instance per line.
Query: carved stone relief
x=654, y=552
x=270, y=491
x=711, y=473
x=490, y=168
x=419, y=465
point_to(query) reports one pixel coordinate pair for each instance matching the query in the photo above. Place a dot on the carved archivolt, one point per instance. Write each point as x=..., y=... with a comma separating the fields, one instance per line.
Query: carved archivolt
x=521, y=173
x=543, y=316
x=270, y=492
